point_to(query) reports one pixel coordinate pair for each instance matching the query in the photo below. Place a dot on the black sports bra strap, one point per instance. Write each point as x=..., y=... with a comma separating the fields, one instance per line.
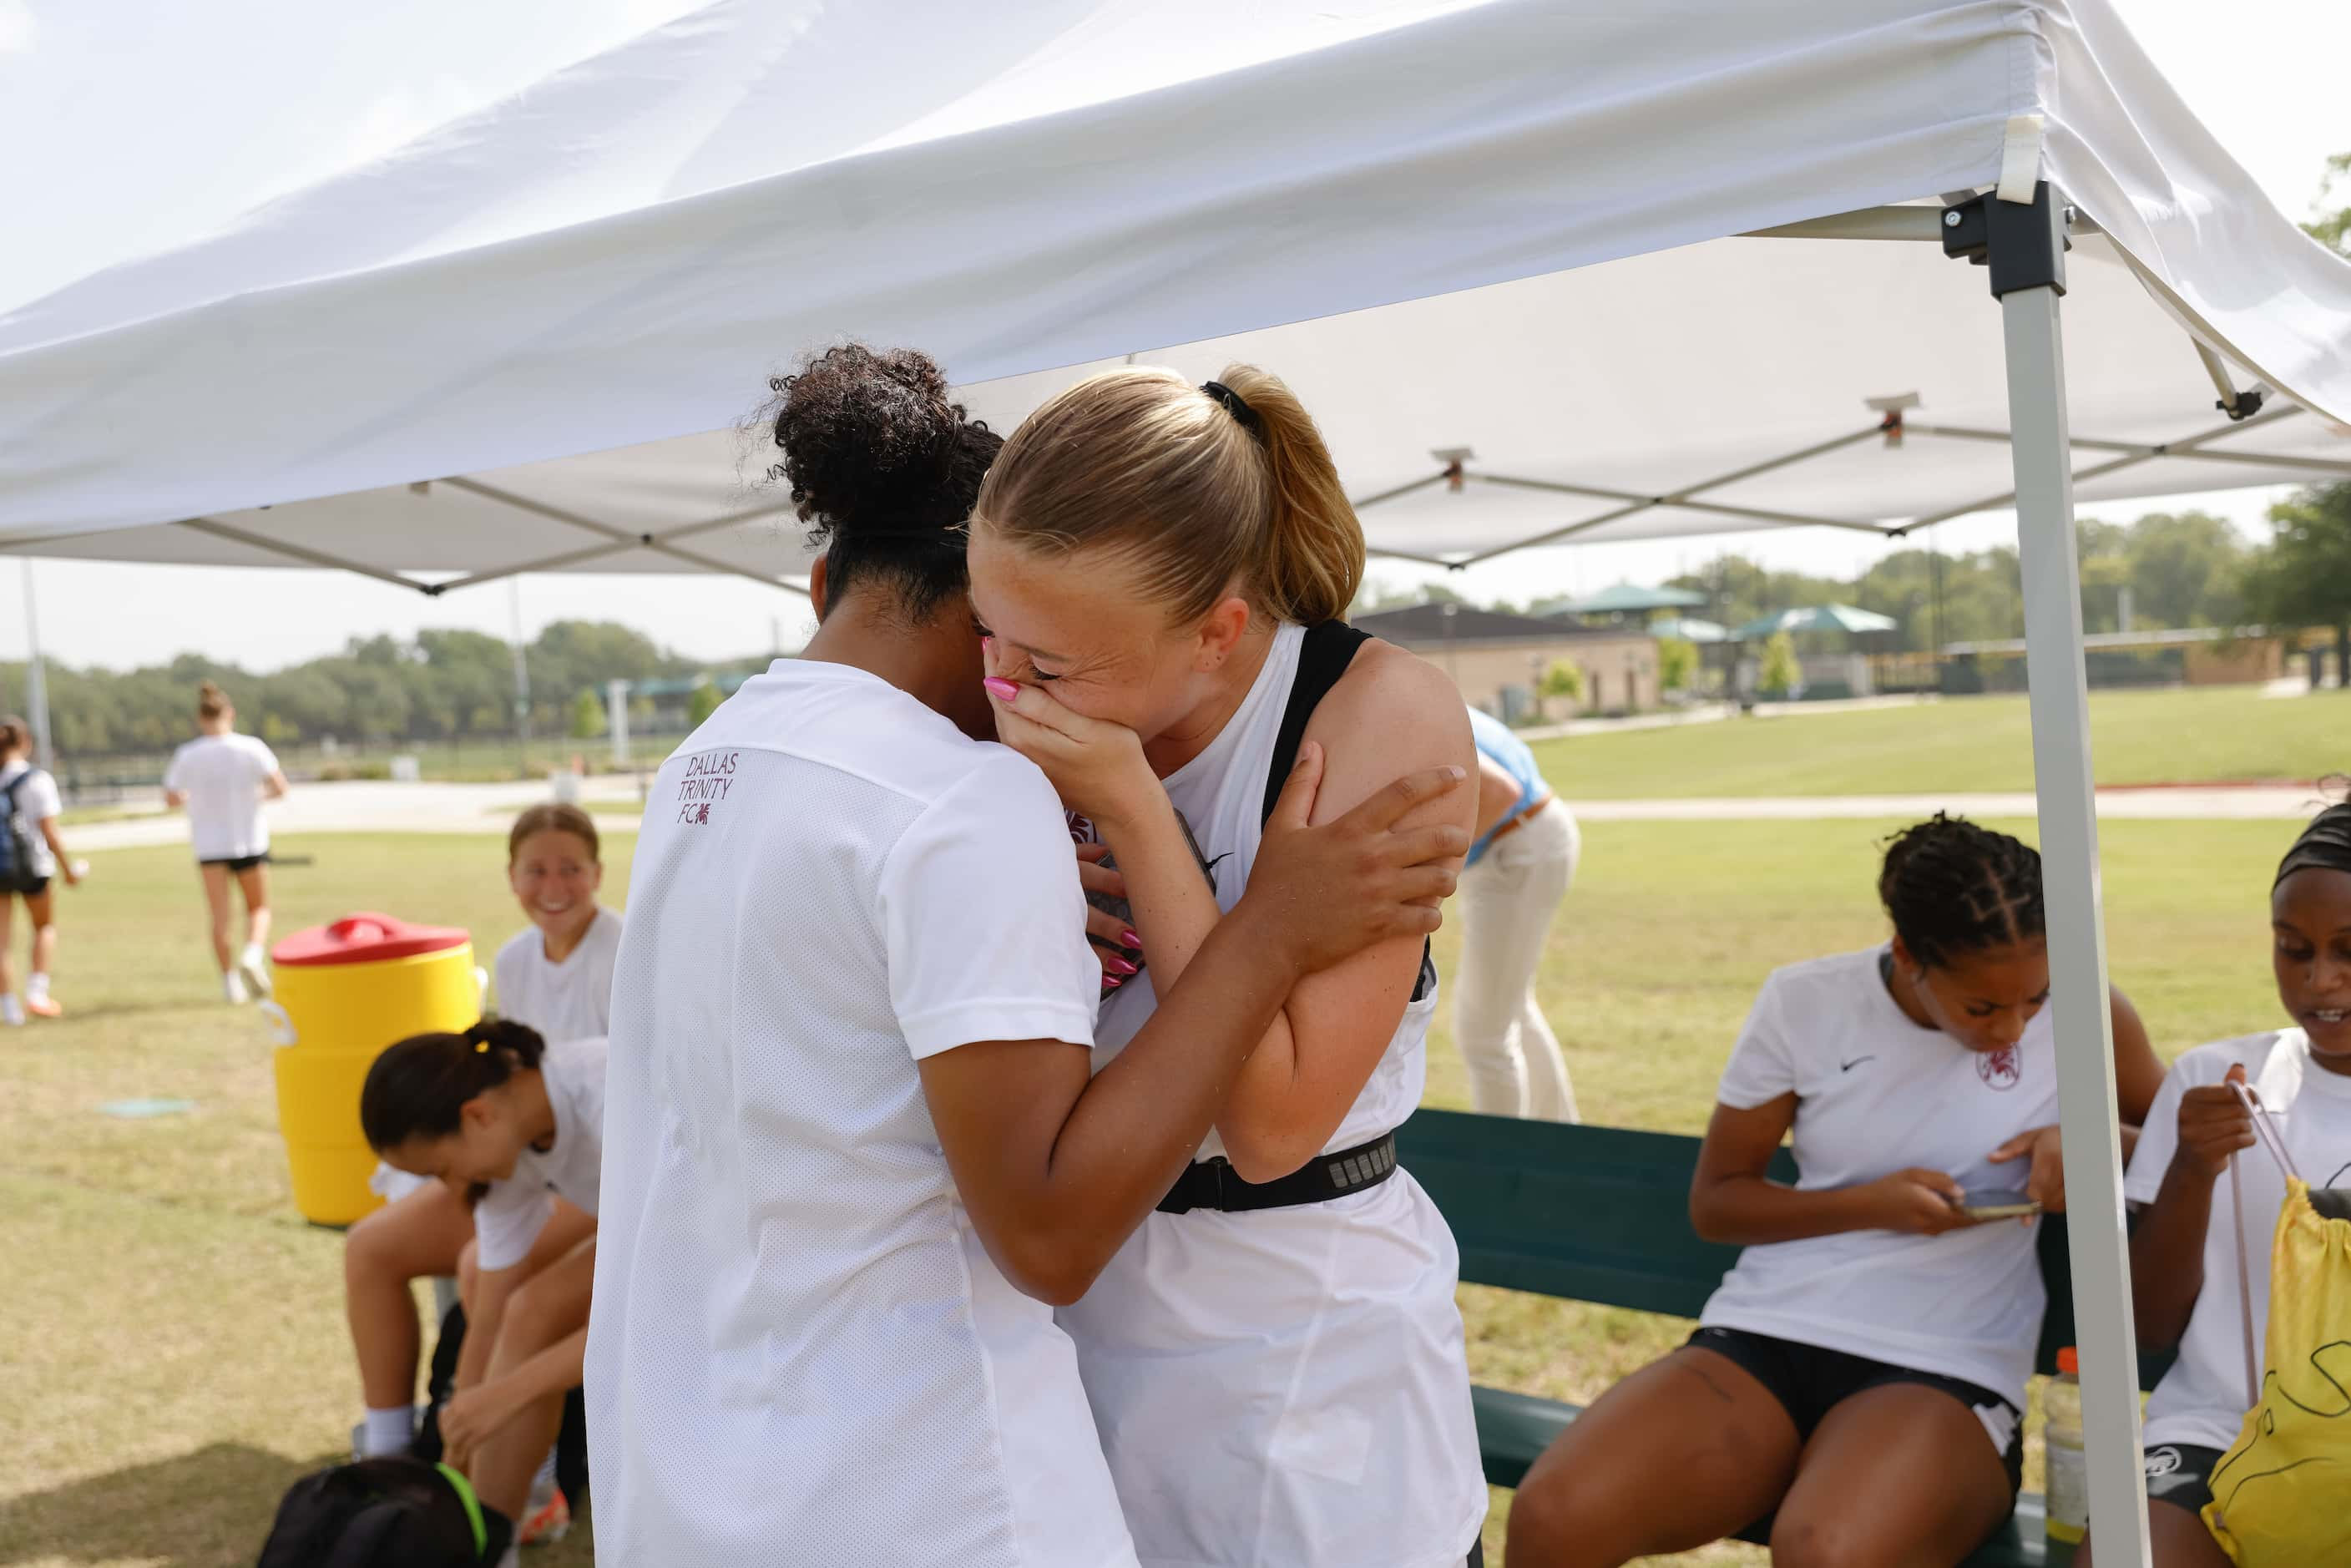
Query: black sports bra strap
x=1323, y=655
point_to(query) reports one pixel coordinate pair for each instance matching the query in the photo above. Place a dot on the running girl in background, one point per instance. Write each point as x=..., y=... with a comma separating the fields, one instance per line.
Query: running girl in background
x=1859, y=1377
x=28, y=816
x=497, y=1115
x=2184, y=1253
x=1274, y=1359
x=222, y=777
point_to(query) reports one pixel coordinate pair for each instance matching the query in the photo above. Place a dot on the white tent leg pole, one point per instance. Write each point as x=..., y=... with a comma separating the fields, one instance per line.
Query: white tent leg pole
x=37, y=684
x=2077, y=950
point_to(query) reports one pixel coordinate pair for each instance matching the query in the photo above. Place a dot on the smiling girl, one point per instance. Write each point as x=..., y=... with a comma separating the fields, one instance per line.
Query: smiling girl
x=557, y=976
x=1859, y=1376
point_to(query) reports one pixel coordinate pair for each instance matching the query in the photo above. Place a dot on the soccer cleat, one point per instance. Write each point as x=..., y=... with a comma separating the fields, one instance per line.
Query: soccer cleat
x=233, y=988
x=43, y=1007
x=256, y=970
x=547, y=1523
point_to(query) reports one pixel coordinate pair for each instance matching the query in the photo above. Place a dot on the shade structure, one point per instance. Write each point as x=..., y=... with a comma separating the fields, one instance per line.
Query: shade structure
x=1816, y=618
x=1689, y=629
x=1499, y=247
x=1486, y=242
x=1629, y=599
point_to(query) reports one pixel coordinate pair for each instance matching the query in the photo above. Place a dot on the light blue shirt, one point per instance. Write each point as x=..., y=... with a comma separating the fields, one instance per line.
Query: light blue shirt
x=1496, y=742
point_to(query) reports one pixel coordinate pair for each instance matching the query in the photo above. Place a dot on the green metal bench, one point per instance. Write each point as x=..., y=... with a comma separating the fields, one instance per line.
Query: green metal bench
x=1602, y=1215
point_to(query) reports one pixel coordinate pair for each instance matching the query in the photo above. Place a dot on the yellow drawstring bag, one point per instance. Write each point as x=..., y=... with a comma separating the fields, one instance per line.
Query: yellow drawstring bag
x=2282, y=1494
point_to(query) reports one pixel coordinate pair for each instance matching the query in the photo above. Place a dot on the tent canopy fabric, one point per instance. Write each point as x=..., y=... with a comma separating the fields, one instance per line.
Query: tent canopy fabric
x=1489, y=243
x=1816, y=618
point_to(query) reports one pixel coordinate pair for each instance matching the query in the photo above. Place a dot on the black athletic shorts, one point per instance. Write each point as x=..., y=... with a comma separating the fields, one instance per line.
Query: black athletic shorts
x=40, y=886
x=1808, y=1382
x=240, y=864
x=2182, y=1475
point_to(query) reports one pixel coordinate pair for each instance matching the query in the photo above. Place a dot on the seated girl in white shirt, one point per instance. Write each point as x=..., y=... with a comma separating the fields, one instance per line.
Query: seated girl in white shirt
x=512, y=1124
x=555, y=975
x=1859, y=1377
x=2184, y=1253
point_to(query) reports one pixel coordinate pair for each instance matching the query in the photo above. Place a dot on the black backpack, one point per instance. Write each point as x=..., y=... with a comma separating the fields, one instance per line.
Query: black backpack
x=385, y=1513
x=19, y=850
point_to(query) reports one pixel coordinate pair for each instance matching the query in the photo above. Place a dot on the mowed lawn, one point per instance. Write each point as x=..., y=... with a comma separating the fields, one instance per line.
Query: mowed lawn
x=171, y=1347
x=2208, y=735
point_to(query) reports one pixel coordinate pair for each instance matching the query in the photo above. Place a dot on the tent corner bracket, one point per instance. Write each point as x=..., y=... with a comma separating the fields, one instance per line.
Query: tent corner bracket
x=2023, y=243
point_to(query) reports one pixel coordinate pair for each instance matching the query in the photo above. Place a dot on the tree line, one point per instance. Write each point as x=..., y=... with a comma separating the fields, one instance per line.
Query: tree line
x=445, y=686
x=2167, y=570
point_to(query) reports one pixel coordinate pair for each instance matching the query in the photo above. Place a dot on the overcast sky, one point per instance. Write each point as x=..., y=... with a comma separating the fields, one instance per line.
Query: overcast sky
x=112, y=174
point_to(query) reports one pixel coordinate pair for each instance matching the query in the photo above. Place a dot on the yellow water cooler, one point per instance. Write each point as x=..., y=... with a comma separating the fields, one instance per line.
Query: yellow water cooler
x=344, y=992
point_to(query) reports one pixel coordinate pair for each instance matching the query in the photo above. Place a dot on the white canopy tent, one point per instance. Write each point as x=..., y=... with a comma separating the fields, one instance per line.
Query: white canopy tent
x=1490, y=243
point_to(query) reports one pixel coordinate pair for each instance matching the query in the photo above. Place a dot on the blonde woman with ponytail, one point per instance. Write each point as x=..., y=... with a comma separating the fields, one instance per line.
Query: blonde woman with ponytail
x=1161, y=571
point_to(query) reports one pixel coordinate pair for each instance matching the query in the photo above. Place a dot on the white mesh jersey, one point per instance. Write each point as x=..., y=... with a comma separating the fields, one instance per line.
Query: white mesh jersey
x=1285, y=1386
x=569, y=1000
x=798, y=1352
x=222, y=776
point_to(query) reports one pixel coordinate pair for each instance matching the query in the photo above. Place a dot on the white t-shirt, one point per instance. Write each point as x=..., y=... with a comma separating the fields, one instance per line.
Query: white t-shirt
x=569, y=1000
x=222, y=776
x=2201, y=1399
x=799, y=1351
x=36, y=802
x=1877, y=1094
x=510, y=1215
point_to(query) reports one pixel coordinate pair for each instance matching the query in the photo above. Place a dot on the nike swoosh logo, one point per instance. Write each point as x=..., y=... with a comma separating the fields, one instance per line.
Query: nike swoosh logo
x=1856, y=1061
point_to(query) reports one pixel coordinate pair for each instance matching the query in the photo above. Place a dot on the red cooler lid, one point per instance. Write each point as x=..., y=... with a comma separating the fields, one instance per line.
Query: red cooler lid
x=365, y=939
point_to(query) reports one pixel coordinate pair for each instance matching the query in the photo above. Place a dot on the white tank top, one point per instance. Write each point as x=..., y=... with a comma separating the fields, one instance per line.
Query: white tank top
x=1285, y=1388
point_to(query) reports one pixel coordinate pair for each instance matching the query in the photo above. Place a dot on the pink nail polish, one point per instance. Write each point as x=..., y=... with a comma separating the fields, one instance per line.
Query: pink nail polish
x=1001, y=690
x=1128, y=939
x=1121, y=966
x=1111, y=984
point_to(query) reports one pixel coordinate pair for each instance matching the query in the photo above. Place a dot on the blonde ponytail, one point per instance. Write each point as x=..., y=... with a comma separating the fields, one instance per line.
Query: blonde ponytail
x=1314, y=547
x=1205, y=498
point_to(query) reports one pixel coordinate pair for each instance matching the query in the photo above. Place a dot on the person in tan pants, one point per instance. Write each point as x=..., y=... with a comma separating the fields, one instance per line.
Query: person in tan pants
x=1521, y=867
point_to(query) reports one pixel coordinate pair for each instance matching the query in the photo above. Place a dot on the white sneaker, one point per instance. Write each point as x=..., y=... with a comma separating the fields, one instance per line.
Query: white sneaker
x=255, y=967
x=233, y=988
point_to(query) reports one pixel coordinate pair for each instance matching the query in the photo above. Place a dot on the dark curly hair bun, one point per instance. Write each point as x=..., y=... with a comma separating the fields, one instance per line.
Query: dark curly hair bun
x=884, y=467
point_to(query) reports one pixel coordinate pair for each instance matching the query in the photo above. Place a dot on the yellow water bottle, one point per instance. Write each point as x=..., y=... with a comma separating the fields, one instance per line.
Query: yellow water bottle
x=2069, y=1477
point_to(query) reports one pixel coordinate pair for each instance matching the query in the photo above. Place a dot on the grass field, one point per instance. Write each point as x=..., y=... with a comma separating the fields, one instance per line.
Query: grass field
x=172, y=1345
x=2213, y=735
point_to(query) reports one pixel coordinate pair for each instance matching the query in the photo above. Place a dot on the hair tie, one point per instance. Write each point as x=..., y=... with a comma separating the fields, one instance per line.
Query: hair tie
x=1238, y=406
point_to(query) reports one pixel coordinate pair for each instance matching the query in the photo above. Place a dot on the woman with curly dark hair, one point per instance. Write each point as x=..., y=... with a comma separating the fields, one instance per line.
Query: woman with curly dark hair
x=1859, y=1377
x=855, y=1149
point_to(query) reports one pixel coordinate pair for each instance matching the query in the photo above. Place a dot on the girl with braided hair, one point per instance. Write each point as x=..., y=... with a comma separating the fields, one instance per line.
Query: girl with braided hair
x=1859, y=1377
x=515, y=1125
x=2185, y=1250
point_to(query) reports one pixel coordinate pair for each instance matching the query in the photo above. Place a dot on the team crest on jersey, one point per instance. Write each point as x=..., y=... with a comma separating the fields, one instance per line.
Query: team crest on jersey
x=2002, y=1069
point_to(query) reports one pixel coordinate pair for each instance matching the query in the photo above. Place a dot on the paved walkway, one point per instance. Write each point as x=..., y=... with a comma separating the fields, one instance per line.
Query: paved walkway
x=374, y=807
x=2253, y=802
x=489, y=809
